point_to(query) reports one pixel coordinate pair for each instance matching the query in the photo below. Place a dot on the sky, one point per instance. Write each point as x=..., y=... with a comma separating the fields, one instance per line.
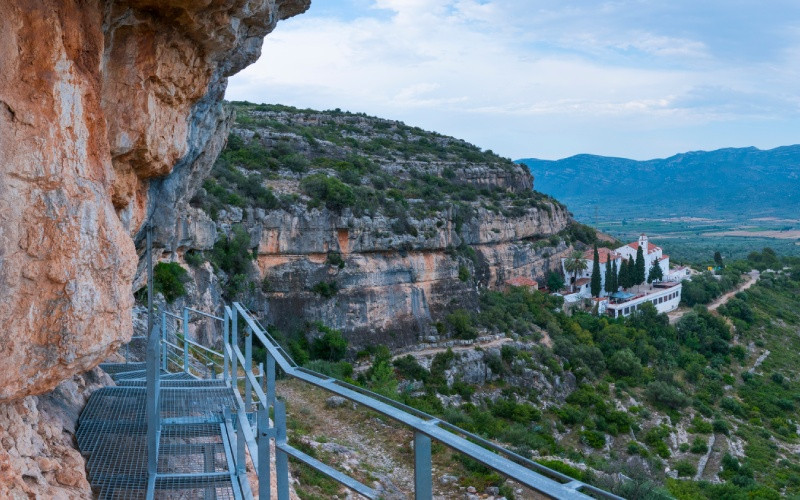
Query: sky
x=547, y=78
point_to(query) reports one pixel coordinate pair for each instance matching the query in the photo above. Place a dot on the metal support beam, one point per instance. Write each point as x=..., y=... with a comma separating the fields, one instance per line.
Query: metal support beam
x=226, y=340
x=240, y=444
x=234, y=342
x=423, y=486
x=281, y=458
x=264, y=479
x=186, y=340
x=153, y=395
x=164, y=340
x=270, y=382
x=248, y=368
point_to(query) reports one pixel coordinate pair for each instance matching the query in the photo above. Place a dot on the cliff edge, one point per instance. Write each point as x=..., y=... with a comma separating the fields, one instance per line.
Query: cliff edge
x=107, y=109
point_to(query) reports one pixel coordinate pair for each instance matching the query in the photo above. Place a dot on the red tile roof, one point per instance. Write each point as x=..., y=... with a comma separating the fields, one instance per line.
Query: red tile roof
x=582, y=281
x=650, y=247
x=523, y=281
x=603, y=252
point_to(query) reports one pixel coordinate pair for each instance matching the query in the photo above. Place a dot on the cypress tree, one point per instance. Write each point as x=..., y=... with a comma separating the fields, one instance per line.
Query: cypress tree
x=622, y=277
x=631, y=273
x=638, y=275
x=596, y=285
x=611, y=276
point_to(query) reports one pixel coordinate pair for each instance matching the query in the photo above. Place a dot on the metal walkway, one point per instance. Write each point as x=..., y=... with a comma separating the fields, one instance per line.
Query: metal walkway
x=171, y=429
x=193, y=454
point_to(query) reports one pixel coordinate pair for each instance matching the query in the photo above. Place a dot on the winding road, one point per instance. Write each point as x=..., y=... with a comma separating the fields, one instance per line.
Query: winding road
x=752, y=277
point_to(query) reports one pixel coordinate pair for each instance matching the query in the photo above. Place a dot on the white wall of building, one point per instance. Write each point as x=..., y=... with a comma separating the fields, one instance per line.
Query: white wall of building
x=665, y=301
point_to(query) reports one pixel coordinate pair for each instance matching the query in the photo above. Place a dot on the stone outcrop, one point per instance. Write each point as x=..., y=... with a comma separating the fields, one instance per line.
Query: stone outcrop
x=37, y=456
x=401, y=270
x=110, y=112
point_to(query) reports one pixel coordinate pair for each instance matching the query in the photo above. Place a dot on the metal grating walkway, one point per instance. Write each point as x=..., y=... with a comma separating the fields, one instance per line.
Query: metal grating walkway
x=194, y=457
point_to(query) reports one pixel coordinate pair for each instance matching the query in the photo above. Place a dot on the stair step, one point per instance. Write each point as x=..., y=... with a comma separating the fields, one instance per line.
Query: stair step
x=112, y=368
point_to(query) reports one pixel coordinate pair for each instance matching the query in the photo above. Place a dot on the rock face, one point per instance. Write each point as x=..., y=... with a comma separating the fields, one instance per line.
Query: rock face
x=37, y=456
x=420, y=223
x=108, y=110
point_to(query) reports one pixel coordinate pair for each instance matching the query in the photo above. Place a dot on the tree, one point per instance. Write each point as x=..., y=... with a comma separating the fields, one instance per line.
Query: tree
x=555, y=281
x=575, y=265
x=718, y=260
x=596, y=283
x=655, y=273
x=638, y=274
x=611, y=276
x=622, y=277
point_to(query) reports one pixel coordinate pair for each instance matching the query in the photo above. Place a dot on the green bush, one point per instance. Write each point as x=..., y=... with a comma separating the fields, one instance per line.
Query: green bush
x=335, y=259
x=699, y=446
x=332, y=346
x=330, y=191
x=326, y=289
x=168, y=279
x=194, y=258
x=663, y=394
x=460, y=323
x=685, y=468
x=595, y=439
x=625, y=363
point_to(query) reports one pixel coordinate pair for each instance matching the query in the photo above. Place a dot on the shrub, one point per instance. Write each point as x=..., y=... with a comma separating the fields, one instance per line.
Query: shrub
x=168, y=279
x=624, y=363
x=720, y=426
x=463, y=273
x=326, y=289
x=685, y=468
x=699, y=446
x=329, y=191
x=335, y=259
x=330, y=347
x=661, y=393
x=595, y=439
x=460, y=323
x=194, y=258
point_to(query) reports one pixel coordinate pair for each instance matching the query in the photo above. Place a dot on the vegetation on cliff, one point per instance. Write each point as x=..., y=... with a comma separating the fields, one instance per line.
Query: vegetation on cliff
x=704, y=408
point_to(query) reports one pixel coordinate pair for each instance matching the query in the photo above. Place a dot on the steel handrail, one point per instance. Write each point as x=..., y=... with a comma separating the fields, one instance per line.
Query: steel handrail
x=428, y=425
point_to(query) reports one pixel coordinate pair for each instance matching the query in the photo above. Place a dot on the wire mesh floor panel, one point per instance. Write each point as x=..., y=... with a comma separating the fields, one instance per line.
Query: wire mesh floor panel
x=218, y=488
x=113, y=368
x=191, y=449
x=112, y=434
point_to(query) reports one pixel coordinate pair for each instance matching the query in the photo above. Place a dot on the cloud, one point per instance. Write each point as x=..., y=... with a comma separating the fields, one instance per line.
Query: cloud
x=436, y=63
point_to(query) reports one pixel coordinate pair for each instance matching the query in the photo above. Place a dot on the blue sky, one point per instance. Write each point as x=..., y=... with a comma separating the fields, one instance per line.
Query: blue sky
x=548, y=79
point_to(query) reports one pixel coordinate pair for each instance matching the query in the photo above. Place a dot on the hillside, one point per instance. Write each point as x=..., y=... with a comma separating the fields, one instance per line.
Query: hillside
x=744, y=182
x=730, y=199
x=367, y=225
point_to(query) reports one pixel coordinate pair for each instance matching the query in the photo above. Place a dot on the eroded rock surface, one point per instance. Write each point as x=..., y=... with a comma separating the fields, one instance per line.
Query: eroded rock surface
x=108, y=111
x=38, y=458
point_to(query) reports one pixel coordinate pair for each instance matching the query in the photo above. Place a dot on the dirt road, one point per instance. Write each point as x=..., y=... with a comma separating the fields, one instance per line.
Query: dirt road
x=752, y=277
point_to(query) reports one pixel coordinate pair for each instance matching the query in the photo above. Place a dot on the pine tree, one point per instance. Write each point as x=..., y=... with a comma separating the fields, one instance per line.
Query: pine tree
x=638, y=275
x=655, y=274
x=596, y=283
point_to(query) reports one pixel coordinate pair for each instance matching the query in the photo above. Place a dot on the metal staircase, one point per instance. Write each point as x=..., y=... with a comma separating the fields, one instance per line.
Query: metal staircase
x=181, y=425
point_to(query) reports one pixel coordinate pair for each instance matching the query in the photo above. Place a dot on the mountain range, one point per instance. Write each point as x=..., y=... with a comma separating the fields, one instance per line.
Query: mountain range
x=731, y=183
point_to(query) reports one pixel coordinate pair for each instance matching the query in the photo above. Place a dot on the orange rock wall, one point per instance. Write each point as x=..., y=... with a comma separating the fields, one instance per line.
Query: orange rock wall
x=97, y=99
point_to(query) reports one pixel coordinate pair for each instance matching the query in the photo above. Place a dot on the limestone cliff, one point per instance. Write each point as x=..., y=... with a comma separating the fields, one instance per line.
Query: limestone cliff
x=108, y=109
x=367, y=225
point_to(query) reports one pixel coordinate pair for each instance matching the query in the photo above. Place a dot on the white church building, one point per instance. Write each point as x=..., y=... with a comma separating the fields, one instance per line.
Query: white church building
x=665, y=295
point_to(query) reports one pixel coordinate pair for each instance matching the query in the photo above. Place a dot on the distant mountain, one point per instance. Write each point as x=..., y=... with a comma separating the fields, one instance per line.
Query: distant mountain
x=730, y=183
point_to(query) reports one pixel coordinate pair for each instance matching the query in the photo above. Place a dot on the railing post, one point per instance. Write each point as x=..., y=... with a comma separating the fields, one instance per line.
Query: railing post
x=264, y=479
x=270, y=392
x=186, y=340
x=164, y=340
x=225, y=341
x=241, y=465
x=235, y=342
x=423, y=487
x=248, y=367
x=152, y=404
x=281, y=458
